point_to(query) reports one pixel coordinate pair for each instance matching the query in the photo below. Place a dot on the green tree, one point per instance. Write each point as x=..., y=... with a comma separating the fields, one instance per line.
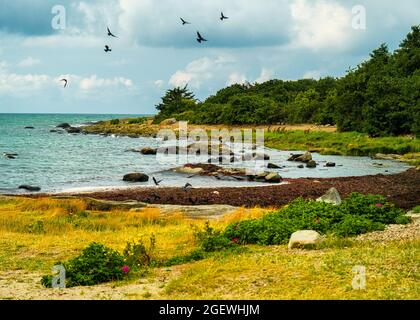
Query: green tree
x=176, y=100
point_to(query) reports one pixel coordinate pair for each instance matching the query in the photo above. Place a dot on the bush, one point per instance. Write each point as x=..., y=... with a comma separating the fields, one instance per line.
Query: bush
x=196, y=255
x=137, y=255
x=115, y=121
x=136, y=121
x=356, y=215
x=96, y=264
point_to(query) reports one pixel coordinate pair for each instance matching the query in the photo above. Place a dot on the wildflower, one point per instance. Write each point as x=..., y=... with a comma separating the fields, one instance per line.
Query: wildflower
x=235, y=240
x=379, y=205
x=125, y=269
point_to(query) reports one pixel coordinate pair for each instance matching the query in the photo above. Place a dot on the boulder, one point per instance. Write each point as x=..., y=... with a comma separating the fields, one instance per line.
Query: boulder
x=168, y=122
x=273, y=178
x=304, y=239
x=301, y=166
x=306, y=157
x=311, y=164
x=293, y=157
x=148, y=151
x=188, y=170
x=64, y=125
x=136, y=177
x=273, y=166
x=29, y=188
x=332, y=196
x=330, y=164
x=74, y=130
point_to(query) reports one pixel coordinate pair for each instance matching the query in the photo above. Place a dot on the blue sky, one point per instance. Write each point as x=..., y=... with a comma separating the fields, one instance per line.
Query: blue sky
x=261, y=40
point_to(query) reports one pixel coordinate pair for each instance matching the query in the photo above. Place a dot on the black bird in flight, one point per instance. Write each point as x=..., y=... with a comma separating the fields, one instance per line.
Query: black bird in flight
x=110, y=33
x=65, y=82
x=200, y=38
x=187, y=185
x=156, y=182
x=223, y=17
x=184, y=22
x=107, y=49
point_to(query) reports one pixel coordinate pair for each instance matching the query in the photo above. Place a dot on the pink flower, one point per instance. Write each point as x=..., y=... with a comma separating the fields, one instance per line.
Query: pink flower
x=235, y=240
x=379, y=205
x=125, y=269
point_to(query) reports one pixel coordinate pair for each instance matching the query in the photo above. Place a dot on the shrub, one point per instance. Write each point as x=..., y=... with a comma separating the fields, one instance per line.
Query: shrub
x=137, y=255
x=356, y=215
x=115, y=121
x=196, y=255
x=136, y=121
x=96, y=264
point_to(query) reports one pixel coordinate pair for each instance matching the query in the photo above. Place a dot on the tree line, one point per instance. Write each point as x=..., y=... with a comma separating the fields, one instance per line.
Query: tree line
x=379, y=97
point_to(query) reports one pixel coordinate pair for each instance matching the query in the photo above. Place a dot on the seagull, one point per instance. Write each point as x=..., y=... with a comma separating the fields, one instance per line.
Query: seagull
x=200, y=38
x=110, y=33
x=187, y=185
x=184, y=22
x=223, y=17
x=156, y=182
x=65, y=82
x=107, y=49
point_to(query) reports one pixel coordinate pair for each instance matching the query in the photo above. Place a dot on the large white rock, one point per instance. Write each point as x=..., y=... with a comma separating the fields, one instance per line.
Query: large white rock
x=304, y=239
x=332, y=196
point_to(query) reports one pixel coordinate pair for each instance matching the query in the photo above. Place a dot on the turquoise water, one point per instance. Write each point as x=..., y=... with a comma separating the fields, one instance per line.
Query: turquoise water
x=57, y=162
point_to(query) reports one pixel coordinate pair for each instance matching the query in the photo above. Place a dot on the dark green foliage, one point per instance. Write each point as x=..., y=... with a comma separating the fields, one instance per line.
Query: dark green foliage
x=96, y=264
x=381, y=96
x=356, y=215
x=137, y=121
x=196, y=255
x=115, y=122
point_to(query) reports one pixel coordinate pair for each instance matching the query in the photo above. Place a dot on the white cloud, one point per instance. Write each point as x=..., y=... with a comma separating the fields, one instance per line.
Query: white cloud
x=199, y=71
x=159, y=83
x=236, y=78
x=28, y=62
x=320, y=24
x=22, y=84
x=265, y=75
x=93, y=82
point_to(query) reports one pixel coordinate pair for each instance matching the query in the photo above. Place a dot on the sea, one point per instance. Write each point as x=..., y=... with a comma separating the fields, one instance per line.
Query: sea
x=78, y=162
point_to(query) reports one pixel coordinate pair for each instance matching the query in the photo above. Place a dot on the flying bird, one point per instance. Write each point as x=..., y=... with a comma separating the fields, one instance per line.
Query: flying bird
x=110, y=33
x=184, y=22
x=65, y=82
x=107, y=48
x=187, y=185
x=156, y=181
x=200, y=38
x=223, y=17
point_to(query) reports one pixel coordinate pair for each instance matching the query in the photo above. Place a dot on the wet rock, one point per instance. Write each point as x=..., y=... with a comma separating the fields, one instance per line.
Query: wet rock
x=64, y=125
x=304, y=239
x=311, y=164
x=331, y=196
x=136, y=177
x=273, y=166
x=301, y=166
x=293, y=157
x=74, y=130
x=273, y=178
x=29, y=127
x=189, y=170
x=148, y=151
x=306, y=157
x=330, y=164
x=10, y=155
x=29, y=188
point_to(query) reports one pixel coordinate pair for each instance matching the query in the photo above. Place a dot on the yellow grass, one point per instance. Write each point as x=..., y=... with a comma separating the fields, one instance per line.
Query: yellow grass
x=35, y=234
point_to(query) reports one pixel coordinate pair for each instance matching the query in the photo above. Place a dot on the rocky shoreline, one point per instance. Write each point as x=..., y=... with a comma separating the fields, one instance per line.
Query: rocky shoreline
x=401, y=189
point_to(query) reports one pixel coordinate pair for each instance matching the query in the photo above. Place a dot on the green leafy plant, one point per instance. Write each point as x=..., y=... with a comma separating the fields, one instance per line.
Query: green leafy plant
x=137, y=255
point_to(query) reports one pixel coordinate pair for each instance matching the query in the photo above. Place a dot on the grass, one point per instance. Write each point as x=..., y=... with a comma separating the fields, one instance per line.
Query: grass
x=256, y=272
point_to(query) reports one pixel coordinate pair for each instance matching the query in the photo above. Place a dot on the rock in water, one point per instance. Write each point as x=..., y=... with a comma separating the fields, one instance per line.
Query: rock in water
x=148, y=151
x=330, y=164
x=311, y=164
x=29, y=188
x=29, y=127
x=304, y=239
x=305, y=157
x=74, y=130
x=136, y=177
x=273, y=178
x=273, y=166
x=332, y=196
x=63, y=125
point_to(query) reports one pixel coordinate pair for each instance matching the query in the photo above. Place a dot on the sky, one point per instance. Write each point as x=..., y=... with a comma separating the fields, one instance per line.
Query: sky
x=43, y=41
